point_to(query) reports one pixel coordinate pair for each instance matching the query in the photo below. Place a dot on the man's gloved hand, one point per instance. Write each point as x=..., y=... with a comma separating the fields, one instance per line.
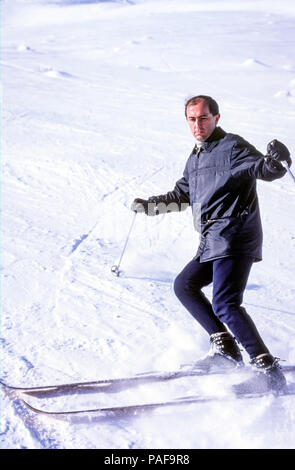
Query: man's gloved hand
x=279, y=152
x=145, y=206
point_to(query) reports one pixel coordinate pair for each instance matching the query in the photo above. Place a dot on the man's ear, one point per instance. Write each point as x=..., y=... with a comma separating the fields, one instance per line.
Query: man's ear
x=217, y=117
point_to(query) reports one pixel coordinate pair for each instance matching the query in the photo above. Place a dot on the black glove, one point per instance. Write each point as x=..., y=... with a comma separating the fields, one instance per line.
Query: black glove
x=279, y=152
x=146, y=206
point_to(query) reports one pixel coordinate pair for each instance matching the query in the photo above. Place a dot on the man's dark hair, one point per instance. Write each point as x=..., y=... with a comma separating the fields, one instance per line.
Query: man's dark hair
x=212, y=105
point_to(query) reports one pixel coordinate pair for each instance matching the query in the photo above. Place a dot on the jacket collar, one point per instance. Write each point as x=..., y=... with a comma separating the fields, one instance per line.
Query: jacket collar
x=213, y=139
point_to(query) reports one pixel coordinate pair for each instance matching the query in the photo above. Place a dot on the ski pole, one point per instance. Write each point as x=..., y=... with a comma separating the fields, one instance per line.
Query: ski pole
x=116, y=267
x=289, y=171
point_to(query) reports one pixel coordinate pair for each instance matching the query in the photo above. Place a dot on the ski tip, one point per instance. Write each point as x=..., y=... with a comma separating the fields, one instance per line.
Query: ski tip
x=3, y=384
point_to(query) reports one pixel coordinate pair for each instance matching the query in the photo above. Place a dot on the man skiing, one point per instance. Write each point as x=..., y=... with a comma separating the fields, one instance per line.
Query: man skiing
x=219, y=183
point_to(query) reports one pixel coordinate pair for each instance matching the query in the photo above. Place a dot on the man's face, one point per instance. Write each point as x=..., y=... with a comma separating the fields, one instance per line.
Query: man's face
x=200, y=120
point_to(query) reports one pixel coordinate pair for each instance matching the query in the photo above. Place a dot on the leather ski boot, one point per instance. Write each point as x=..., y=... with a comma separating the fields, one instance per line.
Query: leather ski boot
x=224, y=353
x=268, y=376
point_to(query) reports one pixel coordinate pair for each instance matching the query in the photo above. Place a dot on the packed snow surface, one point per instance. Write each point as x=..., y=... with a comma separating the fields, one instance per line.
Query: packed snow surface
x=92, y=117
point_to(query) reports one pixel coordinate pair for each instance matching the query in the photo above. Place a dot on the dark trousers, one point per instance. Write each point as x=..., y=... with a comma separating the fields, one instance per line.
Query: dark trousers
x=229, y=277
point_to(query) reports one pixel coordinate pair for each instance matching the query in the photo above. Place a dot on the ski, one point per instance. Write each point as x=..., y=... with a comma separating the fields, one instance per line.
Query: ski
x=125, y=410
x=117, y=411
x=117, y=384
x=112, y=384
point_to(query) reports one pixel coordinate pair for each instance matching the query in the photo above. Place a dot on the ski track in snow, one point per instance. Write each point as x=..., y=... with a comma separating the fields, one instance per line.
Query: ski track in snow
x=92, y=119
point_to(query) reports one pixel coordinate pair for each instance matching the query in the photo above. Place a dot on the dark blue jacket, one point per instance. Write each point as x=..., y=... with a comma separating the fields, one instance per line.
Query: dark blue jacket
x=220, y=185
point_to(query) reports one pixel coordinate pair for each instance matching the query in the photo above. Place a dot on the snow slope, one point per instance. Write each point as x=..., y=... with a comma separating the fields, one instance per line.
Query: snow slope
x=92, y=116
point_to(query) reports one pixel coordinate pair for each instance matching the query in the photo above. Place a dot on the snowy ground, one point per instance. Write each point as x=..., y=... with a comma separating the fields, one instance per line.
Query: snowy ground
x=92, y=117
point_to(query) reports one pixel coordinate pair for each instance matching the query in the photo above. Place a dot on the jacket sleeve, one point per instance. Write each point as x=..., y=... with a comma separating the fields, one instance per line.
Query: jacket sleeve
x=248, y=162
x=176, y=200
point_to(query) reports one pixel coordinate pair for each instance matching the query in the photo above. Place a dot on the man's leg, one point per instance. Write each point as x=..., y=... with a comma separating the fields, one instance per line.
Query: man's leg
x=230, y=277
x=187, y=287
